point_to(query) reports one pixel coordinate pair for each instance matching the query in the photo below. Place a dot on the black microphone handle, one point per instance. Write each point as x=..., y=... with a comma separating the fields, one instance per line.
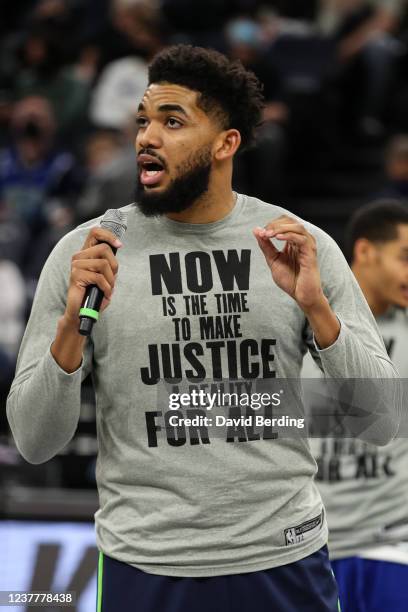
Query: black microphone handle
x=89, y=311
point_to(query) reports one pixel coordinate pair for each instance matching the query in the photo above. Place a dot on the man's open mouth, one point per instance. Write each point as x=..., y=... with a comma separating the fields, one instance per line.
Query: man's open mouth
x=151, y=170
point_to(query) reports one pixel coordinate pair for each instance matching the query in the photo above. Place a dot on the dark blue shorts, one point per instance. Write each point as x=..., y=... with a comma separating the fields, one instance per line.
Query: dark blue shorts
x=307, y=585
x=366, y=585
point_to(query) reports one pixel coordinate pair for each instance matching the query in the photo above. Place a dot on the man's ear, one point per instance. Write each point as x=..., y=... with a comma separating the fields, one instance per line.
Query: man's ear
x=227, y=144
x=364, y=251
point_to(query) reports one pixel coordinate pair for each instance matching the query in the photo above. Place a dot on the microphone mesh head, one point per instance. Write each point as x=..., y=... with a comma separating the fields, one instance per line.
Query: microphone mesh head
x=114, y=220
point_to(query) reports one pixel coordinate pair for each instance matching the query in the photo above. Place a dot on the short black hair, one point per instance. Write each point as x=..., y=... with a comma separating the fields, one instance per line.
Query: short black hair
x=226, y=89
x=376, y=222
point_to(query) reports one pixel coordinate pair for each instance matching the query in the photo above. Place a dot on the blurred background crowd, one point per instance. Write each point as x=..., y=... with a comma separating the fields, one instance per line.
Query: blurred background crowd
x=334, y=133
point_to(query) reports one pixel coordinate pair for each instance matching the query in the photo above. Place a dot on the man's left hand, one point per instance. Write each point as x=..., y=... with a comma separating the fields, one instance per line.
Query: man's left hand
x=295, y=269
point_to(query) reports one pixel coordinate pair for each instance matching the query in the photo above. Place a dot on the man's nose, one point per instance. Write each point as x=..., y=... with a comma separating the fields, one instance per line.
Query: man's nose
x=150, y=136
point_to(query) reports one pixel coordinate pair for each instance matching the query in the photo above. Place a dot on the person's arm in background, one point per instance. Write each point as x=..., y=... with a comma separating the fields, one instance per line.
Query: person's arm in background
x=43, y=406
x=384, y=20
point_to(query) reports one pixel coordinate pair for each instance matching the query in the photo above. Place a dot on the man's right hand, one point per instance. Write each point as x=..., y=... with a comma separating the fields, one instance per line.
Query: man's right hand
x=94, y=264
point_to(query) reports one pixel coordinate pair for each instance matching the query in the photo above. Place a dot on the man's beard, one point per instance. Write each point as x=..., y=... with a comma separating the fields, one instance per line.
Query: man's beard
x=191, y=183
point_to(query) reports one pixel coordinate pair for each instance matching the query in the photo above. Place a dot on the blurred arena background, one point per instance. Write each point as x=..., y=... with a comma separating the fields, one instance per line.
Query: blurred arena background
x=334, y=136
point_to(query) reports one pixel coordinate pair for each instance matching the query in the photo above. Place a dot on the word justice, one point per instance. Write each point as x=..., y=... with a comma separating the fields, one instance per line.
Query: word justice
x=218, y=359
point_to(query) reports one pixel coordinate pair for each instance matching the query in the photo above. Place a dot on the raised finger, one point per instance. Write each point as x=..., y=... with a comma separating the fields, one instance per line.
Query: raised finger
x=98, y=234
x=298, y=239
x=283, y=219
x=274, y=229
x=269, y=250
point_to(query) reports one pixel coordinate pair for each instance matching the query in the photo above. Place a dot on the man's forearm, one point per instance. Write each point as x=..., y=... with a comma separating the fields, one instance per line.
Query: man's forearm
x=44, y=402
x=68, y=346
x=353, y=357
x=324, y=323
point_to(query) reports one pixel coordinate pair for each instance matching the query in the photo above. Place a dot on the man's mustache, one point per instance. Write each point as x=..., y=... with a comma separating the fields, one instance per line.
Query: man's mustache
x=153, y=153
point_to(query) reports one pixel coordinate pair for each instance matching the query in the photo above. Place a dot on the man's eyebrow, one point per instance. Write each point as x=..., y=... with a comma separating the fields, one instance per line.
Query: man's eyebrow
x=164, y=108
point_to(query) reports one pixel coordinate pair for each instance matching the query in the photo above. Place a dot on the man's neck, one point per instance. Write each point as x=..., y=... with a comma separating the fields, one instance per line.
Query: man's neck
x=377, y=304
x=213, y=205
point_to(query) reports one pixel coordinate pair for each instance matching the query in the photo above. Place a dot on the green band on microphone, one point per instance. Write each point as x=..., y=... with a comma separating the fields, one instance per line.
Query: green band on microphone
x=89, y=312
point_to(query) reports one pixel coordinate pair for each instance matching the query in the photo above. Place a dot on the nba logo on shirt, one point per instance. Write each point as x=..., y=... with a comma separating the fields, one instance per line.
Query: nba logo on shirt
x=290, y=536
x=294, y=535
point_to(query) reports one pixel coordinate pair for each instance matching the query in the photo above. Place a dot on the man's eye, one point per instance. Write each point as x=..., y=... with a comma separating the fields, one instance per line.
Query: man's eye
x=141, y=122
x=173, y=123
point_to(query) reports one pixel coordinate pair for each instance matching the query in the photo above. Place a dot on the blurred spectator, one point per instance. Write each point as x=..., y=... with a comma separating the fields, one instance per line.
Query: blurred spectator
x=111, y=167
x=123, y=81
x=295, y=9
x=302, y=61
x=301, y=55
x=46, y=69
x=260, y=170
x=12, y=320
x=37, y=182
x=396, y=167
x=12, y=309
x=204, y=25
x=141, y=22
x=367, y=50
x=120, y=86
x=14, y=235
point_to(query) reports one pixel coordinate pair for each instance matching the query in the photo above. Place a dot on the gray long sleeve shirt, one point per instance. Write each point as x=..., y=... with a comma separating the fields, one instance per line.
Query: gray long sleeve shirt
x=365, y=488
x=197, y=505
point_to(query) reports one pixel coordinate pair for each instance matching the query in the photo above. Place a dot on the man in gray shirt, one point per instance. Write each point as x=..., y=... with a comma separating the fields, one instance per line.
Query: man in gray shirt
x=365, y=488
x=204, y=299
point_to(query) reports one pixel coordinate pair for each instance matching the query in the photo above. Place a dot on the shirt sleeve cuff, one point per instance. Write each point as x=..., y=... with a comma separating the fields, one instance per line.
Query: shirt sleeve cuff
x=336, y=344
x=57, y=367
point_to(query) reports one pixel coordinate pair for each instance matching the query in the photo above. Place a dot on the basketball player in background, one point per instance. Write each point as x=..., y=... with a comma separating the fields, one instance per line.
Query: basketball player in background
x=365, y=488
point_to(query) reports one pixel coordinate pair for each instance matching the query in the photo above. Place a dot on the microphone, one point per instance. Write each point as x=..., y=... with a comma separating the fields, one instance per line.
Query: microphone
x=115, y=221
